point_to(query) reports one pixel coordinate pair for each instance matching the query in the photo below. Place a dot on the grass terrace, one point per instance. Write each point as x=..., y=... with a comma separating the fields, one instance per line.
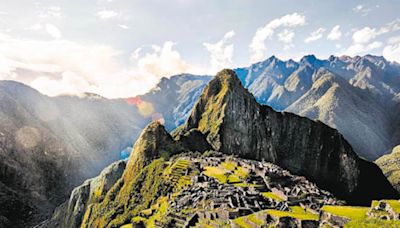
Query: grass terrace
x=350, y=212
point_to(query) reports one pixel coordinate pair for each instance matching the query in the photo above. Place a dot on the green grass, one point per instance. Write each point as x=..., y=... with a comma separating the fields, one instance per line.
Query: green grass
x=228, y=172
x=256, y=218
x=241, y=172
x=229, y=165
x=350, y=212
x=161, y=212
x=242, y=222
x=208, y=223
x=217, y=173
x=273, y=196
x=372, y=223
x=395, y=204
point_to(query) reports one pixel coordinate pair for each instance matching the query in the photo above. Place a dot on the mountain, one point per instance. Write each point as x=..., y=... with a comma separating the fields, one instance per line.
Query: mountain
x=390, y=165
x=235, y=123
x=174, y=97
x=247, y=164
x=48, y=145
x=359, y=96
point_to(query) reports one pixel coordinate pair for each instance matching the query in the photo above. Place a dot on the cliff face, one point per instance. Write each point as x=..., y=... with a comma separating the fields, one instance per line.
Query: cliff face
x=390, y=165
x=235, y=123
x=70, y=213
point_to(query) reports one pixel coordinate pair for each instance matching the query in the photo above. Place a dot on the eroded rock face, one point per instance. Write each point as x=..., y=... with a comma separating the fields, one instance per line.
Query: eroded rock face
x=235, y=123
x=390, y=165
x=70, y=213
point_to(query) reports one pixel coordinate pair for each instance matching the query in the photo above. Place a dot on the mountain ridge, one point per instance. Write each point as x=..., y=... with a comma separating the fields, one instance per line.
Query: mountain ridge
x=233, y=121
x=164, y=181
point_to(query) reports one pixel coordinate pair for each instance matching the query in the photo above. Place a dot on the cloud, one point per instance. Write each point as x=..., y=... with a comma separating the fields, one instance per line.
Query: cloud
x=55, y=67
x=257, y=45
x=364, y=35
x=335, y=33
x=393, y=40
x=107, y=14
x=135, y=55
x=363, y=39
x=123, y=26
x=392, y=50
x=35, y=27
x=53, y=31
x=286, y=36
x=163, y=61
x=315, y=35
x=221, y=52
x=356, y=49
x=361, y=9
x=49, y=12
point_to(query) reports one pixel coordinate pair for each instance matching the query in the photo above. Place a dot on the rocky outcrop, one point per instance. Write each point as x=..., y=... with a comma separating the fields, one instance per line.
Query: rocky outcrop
x=70, y=213
x=390, y=165
x=331, y=220
x=154, y=142
x=235, y=123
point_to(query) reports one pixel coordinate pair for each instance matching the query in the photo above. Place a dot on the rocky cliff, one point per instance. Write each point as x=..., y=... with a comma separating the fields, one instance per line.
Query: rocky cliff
x=71, y=212
x=390, y=165
x=235, y=123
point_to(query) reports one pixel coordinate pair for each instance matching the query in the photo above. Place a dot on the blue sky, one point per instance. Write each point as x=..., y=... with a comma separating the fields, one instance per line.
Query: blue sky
x=120, y=48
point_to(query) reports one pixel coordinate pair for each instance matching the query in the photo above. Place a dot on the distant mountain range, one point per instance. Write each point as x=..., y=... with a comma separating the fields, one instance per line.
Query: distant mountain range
x=358, y=96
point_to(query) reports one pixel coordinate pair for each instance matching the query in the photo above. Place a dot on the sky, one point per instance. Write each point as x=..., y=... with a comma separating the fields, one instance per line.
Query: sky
x=121, y=48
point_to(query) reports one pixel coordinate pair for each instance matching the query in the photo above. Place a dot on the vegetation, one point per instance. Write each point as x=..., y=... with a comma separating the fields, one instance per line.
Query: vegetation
x=350, y=212
x=370, y=223
x=259, y=218
x=394, y=204
x=229, y=172
x=391, y=167
x=211, y=119
x=273, y=196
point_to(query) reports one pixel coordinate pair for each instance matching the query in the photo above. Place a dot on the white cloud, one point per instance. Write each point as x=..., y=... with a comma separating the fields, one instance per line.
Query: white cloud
x=221, y=52
x=258, y=47
x=53, y=31
x=315, y=35
x=286, y=36
x=392, y=52
x=51, y=11
x=123, y=26
x=394, y=40
x=363, y=39
x=107, y=14
x=163, y=61
x=364, y=35
x=356, y=49
x=55, y=67
x=35, y=27
x=135, y=55
x=361, y=9
x=335, y=33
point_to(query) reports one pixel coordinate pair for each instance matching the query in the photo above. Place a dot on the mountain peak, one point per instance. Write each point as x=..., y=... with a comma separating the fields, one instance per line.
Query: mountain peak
x=153, y=142
x=234, y=123
x=227, y=76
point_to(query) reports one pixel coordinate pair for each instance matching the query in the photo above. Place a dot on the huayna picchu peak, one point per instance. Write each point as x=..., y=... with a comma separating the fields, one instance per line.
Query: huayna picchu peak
x=236, y=163
x=234, y=123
